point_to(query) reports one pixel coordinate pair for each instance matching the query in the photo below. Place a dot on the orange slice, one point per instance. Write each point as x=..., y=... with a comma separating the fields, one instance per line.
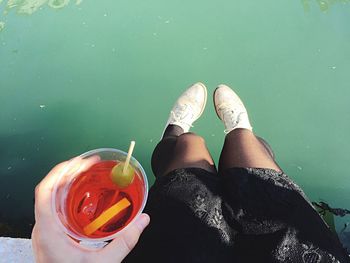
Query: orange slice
x=106, y=216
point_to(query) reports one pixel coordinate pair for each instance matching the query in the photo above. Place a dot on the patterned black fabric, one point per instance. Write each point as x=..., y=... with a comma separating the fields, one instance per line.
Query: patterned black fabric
x=243, y=215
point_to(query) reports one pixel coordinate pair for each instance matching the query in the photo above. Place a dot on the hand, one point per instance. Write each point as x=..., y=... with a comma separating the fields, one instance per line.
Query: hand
x=51, y=244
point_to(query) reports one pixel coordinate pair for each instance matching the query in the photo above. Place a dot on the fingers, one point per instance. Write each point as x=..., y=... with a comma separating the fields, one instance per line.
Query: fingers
x=43, y=192
x=120, y=247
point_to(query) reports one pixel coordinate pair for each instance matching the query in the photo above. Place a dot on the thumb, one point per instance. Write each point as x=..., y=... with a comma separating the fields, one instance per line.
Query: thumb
x=121, y=246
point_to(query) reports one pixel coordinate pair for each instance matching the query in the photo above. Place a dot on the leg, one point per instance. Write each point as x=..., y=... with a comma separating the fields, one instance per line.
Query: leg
x=180, y=150
x=243, y=149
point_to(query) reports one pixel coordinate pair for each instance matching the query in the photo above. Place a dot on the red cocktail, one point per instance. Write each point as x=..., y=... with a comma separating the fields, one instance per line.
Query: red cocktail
x=91, y=205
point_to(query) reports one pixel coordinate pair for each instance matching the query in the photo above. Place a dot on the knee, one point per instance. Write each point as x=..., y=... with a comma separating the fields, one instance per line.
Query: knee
x=190, y=137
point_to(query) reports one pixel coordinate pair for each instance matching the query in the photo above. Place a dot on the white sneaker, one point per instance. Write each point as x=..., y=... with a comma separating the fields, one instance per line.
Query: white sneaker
x=188, y=107
x=230, y=109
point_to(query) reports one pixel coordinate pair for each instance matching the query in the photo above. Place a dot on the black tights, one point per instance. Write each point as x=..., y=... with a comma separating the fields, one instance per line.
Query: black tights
x=184, y=150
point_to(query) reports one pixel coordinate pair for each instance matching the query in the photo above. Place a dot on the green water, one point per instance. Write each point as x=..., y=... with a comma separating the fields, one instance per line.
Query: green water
x=101, y=73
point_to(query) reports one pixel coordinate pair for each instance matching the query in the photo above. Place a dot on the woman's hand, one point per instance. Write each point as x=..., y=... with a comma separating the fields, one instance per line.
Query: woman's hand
x=51, y=244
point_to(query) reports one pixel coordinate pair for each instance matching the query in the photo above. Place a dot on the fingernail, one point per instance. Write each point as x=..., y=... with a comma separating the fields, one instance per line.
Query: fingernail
x=143, y=220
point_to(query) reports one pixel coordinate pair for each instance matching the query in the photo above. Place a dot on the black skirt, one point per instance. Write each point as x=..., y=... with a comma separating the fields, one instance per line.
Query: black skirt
x=243, y=215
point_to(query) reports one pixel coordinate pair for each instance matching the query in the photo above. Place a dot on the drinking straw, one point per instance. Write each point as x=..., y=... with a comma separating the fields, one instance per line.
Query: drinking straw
x=127, y=161
x=106, y=216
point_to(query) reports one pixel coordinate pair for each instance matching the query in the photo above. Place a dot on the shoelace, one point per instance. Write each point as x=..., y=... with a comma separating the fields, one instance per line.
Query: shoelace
x=229, y=116
x=182, y=114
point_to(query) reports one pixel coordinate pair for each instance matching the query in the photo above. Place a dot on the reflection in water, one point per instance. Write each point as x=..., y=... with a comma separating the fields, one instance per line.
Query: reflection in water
x=31, y=6
x=2, y=25
x=58, y=3
x=324, y=5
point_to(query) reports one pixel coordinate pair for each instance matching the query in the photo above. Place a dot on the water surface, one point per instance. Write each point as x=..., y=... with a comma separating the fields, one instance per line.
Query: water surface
x=75, y=76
